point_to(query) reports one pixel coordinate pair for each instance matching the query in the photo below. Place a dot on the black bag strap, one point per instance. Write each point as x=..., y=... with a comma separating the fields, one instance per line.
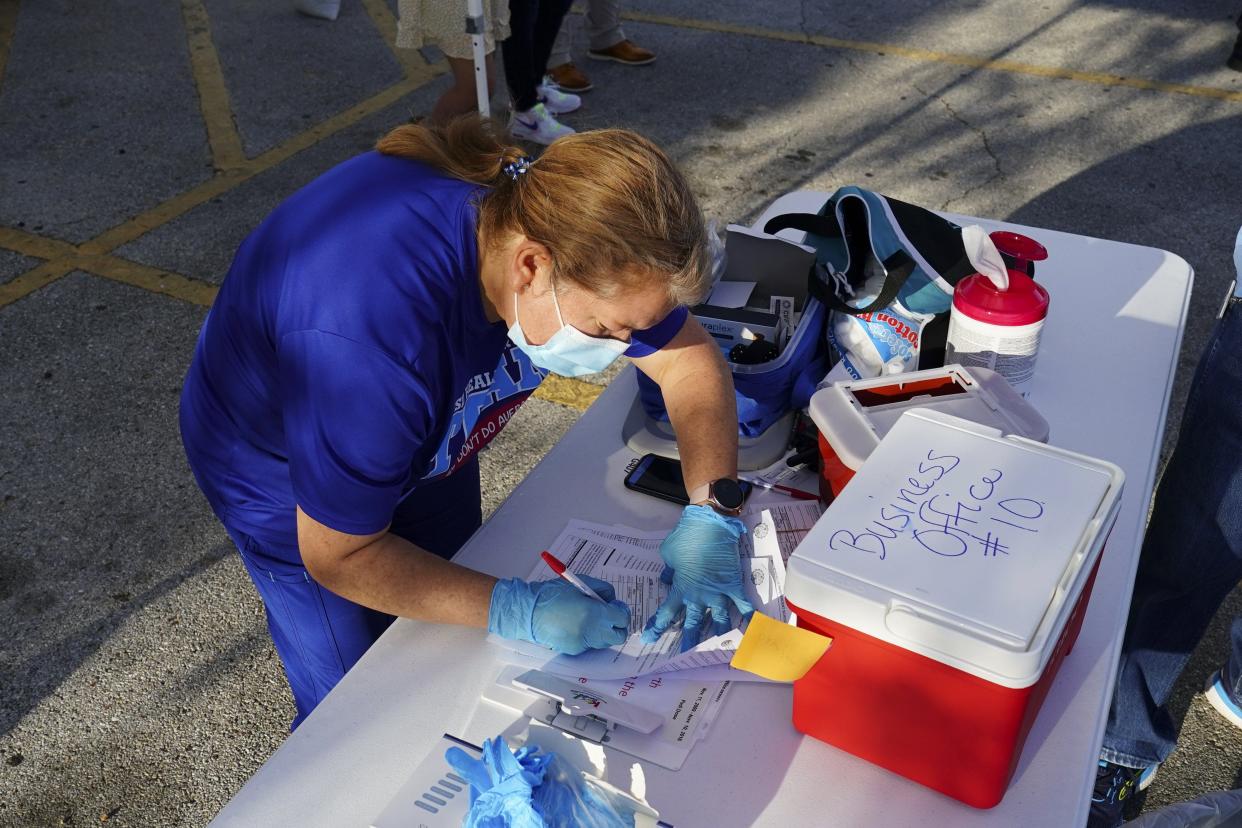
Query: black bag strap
x=898, y=266
x=817, y=225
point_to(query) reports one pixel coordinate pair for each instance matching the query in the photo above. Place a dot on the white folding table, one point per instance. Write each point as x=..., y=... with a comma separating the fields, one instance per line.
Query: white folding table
x=1105, y=371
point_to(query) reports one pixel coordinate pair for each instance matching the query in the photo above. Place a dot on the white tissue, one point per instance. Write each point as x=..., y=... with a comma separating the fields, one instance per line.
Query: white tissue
x=984, y=256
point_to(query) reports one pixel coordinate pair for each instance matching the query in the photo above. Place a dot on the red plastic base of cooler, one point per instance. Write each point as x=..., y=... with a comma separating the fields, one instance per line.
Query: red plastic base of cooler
x=833, y=473
x=939, y=726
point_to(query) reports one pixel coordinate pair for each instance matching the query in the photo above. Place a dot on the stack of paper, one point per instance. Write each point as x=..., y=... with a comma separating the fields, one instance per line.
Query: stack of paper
x=629, y=559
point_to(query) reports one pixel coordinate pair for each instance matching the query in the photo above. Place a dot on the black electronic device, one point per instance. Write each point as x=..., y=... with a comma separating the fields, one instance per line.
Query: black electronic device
x=661, y=477
x=755, y=352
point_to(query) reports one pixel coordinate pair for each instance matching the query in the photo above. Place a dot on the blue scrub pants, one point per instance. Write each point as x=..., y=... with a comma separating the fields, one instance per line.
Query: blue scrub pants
x=320, y=635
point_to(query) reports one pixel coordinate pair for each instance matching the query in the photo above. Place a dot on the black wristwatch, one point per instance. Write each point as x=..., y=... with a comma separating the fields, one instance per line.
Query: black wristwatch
x=724, y=495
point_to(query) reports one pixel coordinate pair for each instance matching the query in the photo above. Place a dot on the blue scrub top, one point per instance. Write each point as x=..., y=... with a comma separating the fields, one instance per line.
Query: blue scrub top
x=347, y=358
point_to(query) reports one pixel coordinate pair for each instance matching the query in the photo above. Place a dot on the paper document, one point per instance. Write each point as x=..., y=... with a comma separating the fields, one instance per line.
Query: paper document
x=781, y=532
x=687, y=708
x=629, y=560
x=731, y=294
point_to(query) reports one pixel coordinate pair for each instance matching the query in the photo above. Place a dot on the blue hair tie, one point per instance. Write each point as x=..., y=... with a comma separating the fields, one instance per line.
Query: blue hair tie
x=518, y=167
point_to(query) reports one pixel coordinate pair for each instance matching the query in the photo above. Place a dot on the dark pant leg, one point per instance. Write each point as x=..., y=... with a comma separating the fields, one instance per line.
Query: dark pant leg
x=1192, y=555
x=518, y=53
x=547, y=24
x=318, y=634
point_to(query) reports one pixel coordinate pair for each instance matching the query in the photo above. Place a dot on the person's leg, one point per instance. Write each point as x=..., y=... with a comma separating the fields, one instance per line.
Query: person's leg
x=563, y=46
x=551, y=15
x=518, y=54
x=1191, y=559
x=318, y=634
x=461, y=97
x=603, y=22
x=608, y=41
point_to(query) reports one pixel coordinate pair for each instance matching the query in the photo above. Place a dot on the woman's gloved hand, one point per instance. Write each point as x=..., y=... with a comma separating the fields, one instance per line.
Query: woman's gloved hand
x=705, y=571
x=556, y=615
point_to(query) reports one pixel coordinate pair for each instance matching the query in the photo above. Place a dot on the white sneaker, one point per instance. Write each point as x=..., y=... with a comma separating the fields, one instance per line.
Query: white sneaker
x=557, y=100
x=325, y=9
x=537, y=124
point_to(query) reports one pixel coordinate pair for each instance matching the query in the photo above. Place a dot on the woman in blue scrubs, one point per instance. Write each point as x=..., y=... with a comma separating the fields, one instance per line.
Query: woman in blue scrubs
x=383, y=324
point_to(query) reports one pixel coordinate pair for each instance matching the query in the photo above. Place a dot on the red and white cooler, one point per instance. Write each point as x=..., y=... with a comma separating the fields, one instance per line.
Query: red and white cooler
x=953, y=574
x=854, y=415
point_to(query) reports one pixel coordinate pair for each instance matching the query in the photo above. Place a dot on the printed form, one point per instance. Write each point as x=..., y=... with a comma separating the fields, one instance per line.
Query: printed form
x=629, y=559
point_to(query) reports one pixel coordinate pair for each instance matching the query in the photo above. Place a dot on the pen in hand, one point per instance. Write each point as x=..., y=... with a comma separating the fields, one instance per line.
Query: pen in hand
x=561, y=570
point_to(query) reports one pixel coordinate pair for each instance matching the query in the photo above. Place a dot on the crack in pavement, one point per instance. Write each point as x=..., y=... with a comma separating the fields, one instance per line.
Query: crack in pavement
x=983, y=139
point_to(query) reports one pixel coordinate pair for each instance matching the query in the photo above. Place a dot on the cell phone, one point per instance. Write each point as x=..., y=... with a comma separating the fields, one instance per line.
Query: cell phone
x=661, y=477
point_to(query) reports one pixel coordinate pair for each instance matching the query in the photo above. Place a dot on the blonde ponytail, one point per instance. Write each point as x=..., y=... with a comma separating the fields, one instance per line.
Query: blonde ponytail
x=609, y=205
x=471, y=148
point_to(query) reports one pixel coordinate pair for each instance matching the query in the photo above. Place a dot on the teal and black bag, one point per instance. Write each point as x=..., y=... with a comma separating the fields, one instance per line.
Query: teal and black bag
x=856, y=234
x=859, y=234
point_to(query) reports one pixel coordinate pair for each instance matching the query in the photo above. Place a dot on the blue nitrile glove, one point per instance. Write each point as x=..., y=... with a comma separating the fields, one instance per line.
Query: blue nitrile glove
x=556, y=615
x=501, y=784
x=705, y=572
x=529, y=789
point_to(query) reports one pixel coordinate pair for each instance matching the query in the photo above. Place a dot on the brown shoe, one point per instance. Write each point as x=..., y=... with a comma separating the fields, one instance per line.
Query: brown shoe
x=627, y=52
x=570, y=78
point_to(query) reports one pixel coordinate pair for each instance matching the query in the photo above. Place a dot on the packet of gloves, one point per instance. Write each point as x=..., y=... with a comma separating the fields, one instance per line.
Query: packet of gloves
x=527, y=788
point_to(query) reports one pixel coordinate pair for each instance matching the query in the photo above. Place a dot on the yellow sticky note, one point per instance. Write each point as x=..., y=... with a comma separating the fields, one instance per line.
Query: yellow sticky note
x=776, y=651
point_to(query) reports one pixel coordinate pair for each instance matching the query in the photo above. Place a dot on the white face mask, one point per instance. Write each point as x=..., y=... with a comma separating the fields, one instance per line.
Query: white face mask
x=568, y=352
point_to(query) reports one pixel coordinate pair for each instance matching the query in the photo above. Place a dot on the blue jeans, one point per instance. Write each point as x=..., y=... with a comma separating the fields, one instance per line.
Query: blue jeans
x=318, y=634
x=1192, y=558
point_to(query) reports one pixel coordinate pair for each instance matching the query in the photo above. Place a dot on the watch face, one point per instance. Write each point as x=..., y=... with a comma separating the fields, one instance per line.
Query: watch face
x=728, y=493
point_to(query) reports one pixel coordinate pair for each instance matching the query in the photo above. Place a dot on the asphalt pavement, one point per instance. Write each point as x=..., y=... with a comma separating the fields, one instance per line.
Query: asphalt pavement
x=140, y=141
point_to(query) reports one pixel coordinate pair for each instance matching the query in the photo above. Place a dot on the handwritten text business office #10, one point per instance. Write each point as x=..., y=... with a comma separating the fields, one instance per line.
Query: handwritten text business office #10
x=946, y=514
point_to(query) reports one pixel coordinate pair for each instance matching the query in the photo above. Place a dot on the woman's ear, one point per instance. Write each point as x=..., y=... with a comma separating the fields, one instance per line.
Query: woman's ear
x=530, y=266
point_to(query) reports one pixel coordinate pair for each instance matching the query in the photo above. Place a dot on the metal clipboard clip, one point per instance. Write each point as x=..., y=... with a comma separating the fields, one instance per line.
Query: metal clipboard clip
x=581, y=712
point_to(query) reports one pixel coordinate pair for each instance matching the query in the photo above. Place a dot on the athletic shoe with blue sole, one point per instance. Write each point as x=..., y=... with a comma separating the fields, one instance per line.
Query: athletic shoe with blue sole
x=1218, y=696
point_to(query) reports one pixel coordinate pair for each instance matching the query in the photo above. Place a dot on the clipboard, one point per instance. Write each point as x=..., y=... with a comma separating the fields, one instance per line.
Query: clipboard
x=434, y=796
x=661, y=725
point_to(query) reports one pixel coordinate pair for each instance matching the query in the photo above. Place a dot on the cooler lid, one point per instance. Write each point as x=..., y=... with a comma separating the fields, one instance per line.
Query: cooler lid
x=958, y=543
x=854, y=415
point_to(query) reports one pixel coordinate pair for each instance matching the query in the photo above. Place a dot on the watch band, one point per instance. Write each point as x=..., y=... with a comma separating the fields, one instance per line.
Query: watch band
x=705, y=496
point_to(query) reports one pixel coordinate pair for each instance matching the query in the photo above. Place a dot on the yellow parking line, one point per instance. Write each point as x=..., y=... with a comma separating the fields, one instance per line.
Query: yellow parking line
x=32, y=280
x=177, y=205
x=213, y=94
x=148, y=278
x=573, y=393
x=955, y=59
x=8, y=24
x=32, y=244
x=182, y=287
